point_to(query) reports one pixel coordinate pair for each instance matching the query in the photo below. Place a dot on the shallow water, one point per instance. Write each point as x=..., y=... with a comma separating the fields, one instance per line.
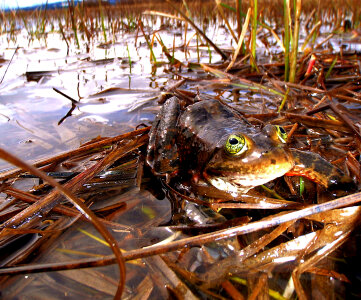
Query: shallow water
x=114, y=97
x=30, y=109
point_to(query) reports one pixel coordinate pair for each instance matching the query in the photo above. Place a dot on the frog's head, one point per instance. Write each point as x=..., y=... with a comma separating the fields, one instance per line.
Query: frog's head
x=242, y=161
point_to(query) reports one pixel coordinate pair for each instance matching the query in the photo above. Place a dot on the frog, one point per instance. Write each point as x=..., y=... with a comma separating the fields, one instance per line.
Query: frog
x=211, y=144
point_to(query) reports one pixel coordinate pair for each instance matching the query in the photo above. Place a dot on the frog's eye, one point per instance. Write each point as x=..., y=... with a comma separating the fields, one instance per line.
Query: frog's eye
x=235, y=144
x=282, y=134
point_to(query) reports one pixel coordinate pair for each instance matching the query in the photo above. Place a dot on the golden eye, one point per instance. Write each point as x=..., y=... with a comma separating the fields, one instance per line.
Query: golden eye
x=235, y=144
x=282, y=134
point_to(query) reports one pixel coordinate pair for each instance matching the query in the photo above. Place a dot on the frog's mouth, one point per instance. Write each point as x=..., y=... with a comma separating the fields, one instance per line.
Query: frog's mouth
x=235, y=182
x=225, y=185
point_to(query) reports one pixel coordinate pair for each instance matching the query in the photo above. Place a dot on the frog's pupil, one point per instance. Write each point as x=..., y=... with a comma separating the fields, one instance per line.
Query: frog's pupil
x=282, y=130
x=233, y=141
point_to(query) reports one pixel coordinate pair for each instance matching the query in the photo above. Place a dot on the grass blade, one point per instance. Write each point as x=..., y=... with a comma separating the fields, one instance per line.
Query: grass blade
x=331, y=67
x=254, y=33
x=240, y=41
x=214, y=46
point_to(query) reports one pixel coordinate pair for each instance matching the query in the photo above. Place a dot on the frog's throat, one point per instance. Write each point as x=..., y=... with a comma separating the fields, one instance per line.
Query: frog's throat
x=241, y=184
x=225, y=185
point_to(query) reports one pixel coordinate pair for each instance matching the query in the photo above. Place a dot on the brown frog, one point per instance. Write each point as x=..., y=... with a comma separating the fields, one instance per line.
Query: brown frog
x=211, y=143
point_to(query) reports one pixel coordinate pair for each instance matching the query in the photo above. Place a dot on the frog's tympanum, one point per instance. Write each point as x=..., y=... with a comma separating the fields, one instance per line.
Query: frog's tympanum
x=210, y=142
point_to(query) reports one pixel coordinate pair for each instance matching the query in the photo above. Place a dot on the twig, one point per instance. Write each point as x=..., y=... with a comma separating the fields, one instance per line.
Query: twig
x=66, y=96
x=61, y=209
x=345, y=119
x=81, y=207
x=82, y=149
x=315, y=122
x=189, y=242
x=17, y=47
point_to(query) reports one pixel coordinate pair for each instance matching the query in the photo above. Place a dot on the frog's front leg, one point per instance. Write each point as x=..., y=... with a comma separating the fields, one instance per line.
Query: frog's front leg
x=319, y=170
x=162, y=153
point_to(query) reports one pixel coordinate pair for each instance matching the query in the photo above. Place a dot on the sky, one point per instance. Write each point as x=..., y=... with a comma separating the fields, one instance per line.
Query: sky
x=22, y=3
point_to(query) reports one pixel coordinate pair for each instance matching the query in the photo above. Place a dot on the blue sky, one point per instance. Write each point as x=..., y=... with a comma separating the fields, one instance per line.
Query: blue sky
x=22, y=3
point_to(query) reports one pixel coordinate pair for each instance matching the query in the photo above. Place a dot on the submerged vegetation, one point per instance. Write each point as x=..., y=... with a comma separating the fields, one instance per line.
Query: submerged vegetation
x=294, y=64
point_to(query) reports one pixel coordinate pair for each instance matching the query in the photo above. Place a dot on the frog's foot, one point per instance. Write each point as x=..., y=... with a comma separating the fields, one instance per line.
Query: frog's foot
x=162, y=154
x=319, y=170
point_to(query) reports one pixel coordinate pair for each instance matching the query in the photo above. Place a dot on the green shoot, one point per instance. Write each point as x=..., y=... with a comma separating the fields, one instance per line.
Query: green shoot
x=129, y=60
x=286, y=9
x=283, y=100
x=302, y=186
x=331, y=67
x=253, y=34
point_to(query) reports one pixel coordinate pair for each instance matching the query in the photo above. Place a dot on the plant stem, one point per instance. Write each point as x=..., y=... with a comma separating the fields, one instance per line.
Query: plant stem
x=286, y=43
x=198, y=56
x=152, y=55
x=296, y=30
x=254, y=32
x=73, y=22
x=239, y=16
x=129, y=60
x=283, y=100
x=209, y=53
x=102, y=20
x=331, y=67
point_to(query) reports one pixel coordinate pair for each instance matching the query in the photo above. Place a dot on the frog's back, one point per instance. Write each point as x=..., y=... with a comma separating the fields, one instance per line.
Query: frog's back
x=211, y=122
x=204, y=126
